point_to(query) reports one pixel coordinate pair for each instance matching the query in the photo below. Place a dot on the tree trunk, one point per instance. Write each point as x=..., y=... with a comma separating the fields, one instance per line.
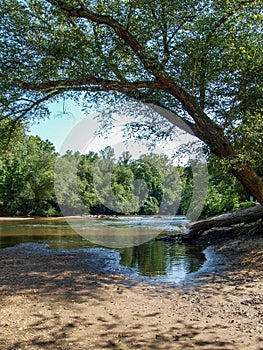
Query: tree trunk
x=213, y=135
x=252, y=214
x=250, y=180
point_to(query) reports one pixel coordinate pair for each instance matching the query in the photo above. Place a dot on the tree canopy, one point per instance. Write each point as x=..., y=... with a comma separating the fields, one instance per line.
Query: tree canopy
x=199, y=60
x=104, y=184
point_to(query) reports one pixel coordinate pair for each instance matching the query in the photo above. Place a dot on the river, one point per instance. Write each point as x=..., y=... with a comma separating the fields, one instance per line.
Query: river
x=132, y=243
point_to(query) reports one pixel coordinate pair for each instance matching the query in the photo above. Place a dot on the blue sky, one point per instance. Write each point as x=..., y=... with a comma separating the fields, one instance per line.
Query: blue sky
x=62, y=119
x=69, y=128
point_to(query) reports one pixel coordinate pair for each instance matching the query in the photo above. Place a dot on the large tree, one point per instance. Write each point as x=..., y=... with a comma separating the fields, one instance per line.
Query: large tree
x=26, y=173
x=200, y=60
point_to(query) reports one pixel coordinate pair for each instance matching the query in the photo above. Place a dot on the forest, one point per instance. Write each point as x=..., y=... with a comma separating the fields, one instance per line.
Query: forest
x=27, y=172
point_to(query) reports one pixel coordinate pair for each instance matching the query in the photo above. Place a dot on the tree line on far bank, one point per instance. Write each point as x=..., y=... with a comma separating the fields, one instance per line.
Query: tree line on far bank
x=129, y=186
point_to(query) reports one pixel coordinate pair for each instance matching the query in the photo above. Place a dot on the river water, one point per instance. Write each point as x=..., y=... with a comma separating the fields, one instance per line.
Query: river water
x=133, y=243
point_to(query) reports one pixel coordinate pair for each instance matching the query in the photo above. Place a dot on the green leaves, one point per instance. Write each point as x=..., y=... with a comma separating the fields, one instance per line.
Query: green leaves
x=205, y=48
x=200, y=59
x=26, y=175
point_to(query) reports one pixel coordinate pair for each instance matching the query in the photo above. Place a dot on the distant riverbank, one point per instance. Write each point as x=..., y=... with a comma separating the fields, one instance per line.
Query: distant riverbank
x=14, y=218
x=9, y=218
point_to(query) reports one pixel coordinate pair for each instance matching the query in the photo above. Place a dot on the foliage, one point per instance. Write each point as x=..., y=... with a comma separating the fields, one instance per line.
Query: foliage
x=124, y=186
x=225, y=193
x=101, y=184
x=26, y=177
x=201, y=60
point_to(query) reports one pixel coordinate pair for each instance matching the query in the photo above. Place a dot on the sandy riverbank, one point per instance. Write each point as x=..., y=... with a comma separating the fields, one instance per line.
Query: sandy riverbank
x=65, y=301
x=20, y=218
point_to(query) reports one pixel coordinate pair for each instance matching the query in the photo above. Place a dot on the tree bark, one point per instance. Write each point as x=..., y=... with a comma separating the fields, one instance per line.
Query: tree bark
x=250, y=180
x=252, y=214
x=213, y=135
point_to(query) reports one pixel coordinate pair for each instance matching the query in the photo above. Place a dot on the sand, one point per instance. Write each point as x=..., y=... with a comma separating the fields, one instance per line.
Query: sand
x=66, y=301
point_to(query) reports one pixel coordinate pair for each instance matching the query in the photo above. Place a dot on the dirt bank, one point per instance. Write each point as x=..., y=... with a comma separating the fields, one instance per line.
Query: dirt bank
x=66, y=301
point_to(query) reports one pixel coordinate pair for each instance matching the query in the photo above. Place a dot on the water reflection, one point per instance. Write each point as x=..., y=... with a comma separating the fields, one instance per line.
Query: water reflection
x=158, y=260
x=169, y=262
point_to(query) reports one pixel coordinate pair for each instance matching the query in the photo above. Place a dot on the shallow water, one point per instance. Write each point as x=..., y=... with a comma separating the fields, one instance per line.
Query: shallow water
x=153, y=259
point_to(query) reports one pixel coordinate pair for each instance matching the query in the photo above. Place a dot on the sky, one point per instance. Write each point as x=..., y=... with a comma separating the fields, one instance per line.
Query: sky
x=69, y=128
x=56, y=128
